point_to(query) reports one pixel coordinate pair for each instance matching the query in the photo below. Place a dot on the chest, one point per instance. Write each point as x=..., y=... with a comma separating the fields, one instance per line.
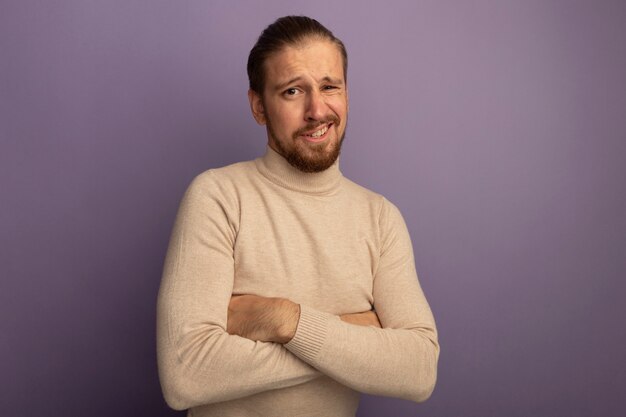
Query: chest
x=311, y=250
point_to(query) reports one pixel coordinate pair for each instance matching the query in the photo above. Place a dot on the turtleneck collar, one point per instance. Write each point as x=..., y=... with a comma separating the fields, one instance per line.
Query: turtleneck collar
x=275, y=168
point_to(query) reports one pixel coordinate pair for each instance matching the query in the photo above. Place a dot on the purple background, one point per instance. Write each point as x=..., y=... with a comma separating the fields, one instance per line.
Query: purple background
x=498, y=128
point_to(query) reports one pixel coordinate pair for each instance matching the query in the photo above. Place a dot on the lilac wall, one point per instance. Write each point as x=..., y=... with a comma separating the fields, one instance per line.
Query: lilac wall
x=498, y=128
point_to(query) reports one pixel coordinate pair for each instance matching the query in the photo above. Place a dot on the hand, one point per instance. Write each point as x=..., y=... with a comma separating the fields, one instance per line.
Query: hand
x=366, y=318
x=263, y=319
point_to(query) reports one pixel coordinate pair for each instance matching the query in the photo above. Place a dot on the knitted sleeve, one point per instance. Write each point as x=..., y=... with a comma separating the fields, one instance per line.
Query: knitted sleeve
x=199, y=362
x=399, y=360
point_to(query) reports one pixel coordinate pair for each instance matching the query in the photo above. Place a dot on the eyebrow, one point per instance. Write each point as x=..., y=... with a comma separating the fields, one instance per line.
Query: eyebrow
x=328, y=79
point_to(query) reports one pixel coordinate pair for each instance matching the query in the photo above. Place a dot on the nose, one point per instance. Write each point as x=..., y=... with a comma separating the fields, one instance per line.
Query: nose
x=316, y=107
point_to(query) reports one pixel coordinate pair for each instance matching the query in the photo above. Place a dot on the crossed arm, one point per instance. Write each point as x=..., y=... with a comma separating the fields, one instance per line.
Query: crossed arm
x=276, y=319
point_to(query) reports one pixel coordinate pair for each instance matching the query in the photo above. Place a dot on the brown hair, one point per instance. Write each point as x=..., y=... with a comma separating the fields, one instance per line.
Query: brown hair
x=287, y=30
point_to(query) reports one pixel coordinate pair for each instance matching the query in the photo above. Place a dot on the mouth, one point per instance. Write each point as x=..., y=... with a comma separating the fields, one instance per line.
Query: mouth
x=318, y=135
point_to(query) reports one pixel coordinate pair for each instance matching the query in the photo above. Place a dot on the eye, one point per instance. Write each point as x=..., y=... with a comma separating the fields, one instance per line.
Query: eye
x=329, y=88
x=291, y=91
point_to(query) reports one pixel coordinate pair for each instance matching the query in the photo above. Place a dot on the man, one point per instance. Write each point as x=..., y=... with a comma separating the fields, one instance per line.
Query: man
x=287, y=288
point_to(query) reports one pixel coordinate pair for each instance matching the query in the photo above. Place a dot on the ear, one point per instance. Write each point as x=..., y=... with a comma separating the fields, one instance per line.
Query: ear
x=256, y=105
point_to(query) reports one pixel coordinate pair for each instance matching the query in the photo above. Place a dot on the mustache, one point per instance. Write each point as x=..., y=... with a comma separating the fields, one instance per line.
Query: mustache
x=313, y=126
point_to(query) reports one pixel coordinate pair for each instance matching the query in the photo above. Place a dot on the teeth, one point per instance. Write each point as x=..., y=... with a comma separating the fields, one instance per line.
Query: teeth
x=320, y=132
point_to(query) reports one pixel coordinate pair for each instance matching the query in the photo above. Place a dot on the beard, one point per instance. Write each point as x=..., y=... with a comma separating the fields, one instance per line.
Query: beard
x=309, y=158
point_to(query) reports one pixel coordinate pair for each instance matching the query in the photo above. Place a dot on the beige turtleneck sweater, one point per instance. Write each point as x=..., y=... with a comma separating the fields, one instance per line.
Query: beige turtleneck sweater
x=262, y=227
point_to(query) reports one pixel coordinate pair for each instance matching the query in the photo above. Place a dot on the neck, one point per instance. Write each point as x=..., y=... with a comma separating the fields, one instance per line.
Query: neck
x=277, y=169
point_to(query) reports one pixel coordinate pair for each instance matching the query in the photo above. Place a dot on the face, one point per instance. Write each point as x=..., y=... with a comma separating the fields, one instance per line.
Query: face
x=304, y=104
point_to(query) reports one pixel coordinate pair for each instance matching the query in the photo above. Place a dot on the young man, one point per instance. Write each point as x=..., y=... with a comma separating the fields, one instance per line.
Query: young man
x=287, y=288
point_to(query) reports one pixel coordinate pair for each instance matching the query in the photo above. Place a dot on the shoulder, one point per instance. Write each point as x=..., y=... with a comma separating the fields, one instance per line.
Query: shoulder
x=217, y=188
x=365, y=197
x=361, y=194
x=223, y=181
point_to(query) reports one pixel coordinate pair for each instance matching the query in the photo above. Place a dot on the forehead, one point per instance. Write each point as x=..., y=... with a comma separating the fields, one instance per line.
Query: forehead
x=314, y=60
